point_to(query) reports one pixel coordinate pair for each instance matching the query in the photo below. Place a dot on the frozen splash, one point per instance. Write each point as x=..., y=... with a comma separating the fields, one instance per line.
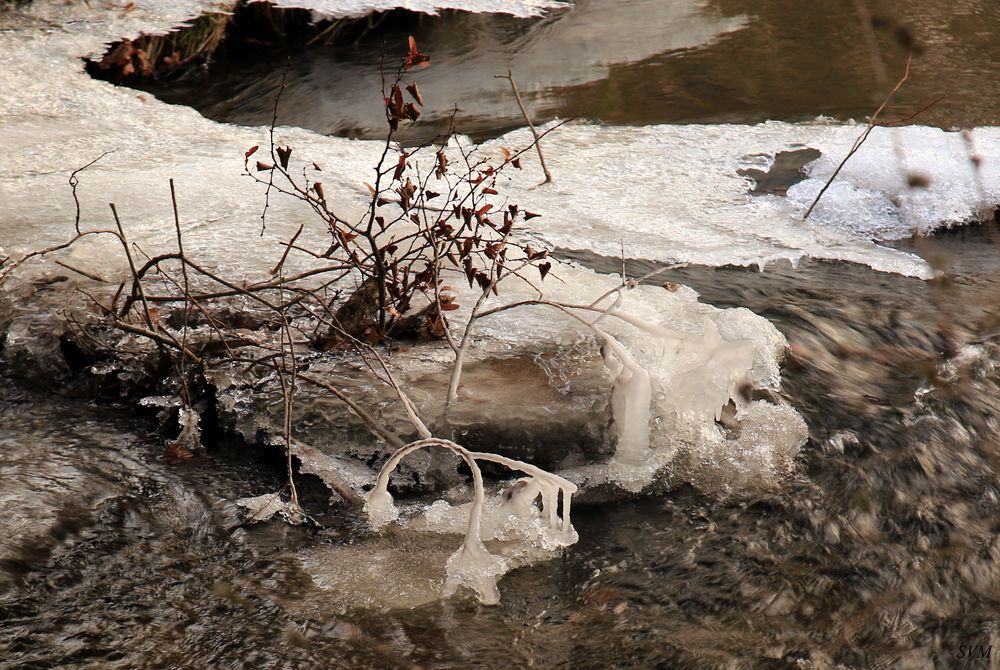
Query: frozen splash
x=472, y=565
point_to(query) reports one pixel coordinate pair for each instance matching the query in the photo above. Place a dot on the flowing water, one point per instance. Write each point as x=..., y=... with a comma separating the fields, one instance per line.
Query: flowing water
x=879, y=549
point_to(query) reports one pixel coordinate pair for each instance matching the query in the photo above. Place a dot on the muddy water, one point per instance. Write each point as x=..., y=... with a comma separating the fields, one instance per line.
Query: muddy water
x=631, y=62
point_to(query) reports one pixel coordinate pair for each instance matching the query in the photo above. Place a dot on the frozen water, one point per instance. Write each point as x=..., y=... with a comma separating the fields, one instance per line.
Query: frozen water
x=668, y=193
x=351, y=8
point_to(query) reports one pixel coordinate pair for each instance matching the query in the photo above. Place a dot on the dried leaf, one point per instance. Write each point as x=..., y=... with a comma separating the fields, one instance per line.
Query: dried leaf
x=448, y=306
x=283, y=155
x=400, y=168
x=530, y=215
x=415, y=92
x=490, y=191
x=543, y=269
x=264, y=167
x=410, y=112
x=415, y=58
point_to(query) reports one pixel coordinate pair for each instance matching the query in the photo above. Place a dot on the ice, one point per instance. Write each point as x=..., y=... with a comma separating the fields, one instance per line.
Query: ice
x=668, y=193
x=353, y=8
x=472, y=565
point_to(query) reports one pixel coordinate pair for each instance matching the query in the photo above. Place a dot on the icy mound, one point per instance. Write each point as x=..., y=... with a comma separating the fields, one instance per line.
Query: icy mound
x=871, y=197
x=673, y=192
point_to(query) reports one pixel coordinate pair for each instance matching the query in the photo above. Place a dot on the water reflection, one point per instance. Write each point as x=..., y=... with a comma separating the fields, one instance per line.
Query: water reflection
x=627, y=62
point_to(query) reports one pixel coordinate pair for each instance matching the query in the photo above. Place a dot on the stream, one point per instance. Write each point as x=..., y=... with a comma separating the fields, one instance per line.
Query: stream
x=877, y=548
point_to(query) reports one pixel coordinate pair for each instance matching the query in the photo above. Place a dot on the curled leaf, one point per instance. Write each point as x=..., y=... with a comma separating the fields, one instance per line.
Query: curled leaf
x=414, y=57
x=415, y=92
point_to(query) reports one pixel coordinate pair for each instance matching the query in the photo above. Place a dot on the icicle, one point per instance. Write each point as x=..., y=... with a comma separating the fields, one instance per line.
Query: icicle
x=631, y=396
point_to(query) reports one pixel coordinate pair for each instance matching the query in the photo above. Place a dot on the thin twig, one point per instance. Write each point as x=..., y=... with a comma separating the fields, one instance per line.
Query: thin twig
x=520, y=103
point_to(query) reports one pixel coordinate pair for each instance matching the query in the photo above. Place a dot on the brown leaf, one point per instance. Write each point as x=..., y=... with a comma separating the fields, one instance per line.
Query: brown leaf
x=415, y=58
x=448, y=306
x=543, y=269
x=318, y=187
x=283, y=155
x=415, y=92
x=371, y=189
x=530, y=215
x=430, y=195
x=516, y=163
x=400, y=168
x=491, y=191
x=442, y=164
x=264, y=167
x=470, y=272
x=410, y=112
x=506, y=153
x=482, y=210
x=251, y=151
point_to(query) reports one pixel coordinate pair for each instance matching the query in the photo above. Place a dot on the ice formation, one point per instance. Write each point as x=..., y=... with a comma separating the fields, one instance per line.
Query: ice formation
x=473, y=566
x=670, y=193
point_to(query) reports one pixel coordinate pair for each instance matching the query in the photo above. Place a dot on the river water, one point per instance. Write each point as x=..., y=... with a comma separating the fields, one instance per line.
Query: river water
x=879, y=548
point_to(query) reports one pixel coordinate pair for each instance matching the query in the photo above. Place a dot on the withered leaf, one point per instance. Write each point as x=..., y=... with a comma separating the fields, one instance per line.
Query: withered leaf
x=251, y=151
x=442, y=164
x=415, y=58
x=543, y=269
x=400, y=168
x=448, y=306
x=530, y=215
x=413, y=90
x=264, y=167
x=490, y=191
x=470, y=272
x=283, y=155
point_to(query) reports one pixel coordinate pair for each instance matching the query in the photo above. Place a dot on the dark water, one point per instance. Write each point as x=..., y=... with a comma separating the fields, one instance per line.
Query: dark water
x=627, y=62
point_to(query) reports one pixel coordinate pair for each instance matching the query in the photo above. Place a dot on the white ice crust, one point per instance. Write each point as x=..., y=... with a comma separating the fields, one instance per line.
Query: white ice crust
x=669, y=193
